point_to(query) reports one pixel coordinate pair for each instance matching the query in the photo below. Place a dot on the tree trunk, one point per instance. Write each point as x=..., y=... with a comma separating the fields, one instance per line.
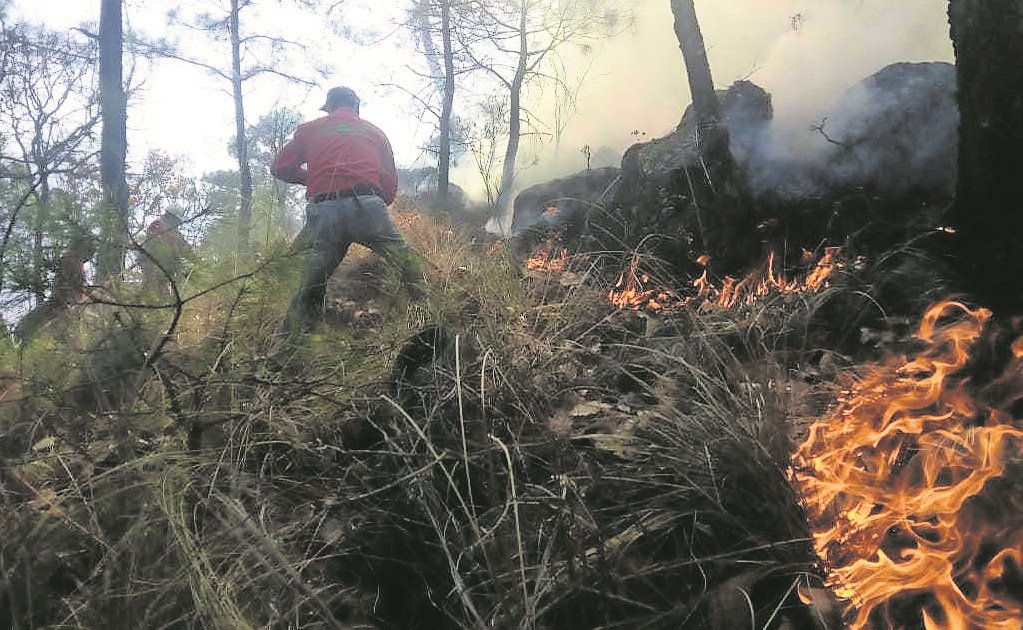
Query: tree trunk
x=242, y=145
x=694, y=54
x=444, y=157
x=504, y=194
x=114, y=142
x=511, y=151
x=725, y=225
x=988, y=209
x=43, y=196
x=422, y=13
x=42, y=219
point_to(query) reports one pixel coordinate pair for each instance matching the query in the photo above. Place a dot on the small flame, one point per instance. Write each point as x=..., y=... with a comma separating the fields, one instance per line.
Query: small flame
x=766, y=279
x=629, y=291
x=632, y=292
x=407, y=220
x=550, y=257
x=907, y=486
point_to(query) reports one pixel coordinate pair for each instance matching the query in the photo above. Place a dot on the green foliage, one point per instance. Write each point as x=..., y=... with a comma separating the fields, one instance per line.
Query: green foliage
x=274, y=213
x=268, y=136
x=48, y=113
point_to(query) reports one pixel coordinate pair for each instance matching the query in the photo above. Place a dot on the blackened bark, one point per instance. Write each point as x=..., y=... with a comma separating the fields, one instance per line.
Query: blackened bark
x=988, y=209
x=714, y=189
x=694, y=53
x=114, y=141
x=241, y=136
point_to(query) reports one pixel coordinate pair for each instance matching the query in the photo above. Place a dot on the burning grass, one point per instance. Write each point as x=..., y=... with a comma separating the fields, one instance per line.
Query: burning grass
x=767, y=279
x=534, y=458
x=633, y=290
x=915, y=483
x=637, y=291
x=551, y=257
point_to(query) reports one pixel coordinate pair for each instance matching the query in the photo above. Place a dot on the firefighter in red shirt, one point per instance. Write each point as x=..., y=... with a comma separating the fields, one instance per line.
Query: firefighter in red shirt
x=165, y=251
x=69, y=280
x=347, y=167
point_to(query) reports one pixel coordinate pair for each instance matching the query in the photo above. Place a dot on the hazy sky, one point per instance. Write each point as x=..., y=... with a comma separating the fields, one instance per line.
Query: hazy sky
x=805, y=52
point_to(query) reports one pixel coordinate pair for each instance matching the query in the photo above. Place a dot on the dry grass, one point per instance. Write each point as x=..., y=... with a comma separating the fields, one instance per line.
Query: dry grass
x=543, y=462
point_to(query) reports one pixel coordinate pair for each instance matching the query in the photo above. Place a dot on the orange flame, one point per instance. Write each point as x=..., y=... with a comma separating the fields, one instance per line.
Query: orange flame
x=628, y=292
x=907, y=486
x=549, y=257
x=407, y=220
x=766, y=280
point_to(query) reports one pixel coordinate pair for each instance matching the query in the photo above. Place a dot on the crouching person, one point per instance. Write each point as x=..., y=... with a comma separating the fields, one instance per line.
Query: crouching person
x=347, y=167
x=164, y=254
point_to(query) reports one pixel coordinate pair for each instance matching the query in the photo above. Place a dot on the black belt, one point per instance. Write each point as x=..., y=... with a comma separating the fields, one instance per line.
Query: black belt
x=344, y=194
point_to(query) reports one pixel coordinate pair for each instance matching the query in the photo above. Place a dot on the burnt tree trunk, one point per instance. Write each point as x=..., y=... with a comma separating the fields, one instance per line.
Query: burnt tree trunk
x=113, y=141
x=988, y=210
x=714, y=188
x=241, y=136
x=694, y=54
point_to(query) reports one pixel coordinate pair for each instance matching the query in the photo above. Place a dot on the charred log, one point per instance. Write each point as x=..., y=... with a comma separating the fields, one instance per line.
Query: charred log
x=562, y=206
x=988, y=42
x=885, y=177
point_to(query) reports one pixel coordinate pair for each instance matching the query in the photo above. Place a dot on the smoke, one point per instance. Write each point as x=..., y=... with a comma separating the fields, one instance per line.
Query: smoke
x=832, y=45
x=806, y=53
x=894, y=133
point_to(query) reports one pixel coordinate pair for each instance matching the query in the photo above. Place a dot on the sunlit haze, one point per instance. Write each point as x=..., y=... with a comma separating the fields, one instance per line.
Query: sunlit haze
x=805, y=52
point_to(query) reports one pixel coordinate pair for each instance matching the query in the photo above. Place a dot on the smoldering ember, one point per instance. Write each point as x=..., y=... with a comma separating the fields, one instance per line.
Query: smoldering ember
x=750, y=373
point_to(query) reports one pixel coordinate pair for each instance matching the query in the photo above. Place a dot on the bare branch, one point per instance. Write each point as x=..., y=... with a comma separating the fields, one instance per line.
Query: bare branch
x=819, y=128
x=169, y=53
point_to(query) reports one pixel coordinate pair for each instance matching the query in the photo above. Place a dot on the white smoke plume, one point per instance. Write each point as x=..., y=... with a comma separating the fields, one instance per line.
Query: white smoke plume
x=804, y=52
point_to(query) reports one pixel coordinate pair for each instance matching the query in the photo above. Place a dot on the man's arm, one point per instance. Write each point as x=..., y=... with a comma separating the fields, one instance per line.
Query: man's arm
x=181, y=246
x=388, y=171
x=288, y=165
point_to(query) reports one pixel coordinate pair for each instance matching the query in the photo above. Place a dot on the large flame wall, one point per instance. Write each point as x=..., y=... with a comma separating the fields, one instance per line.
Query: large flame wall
x=914, y=484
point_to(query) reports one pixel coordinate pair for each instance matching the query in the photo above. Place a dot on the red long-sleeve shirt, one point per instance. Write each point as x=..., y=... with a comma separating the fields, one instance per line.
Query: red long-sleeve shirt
x=339, y=152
